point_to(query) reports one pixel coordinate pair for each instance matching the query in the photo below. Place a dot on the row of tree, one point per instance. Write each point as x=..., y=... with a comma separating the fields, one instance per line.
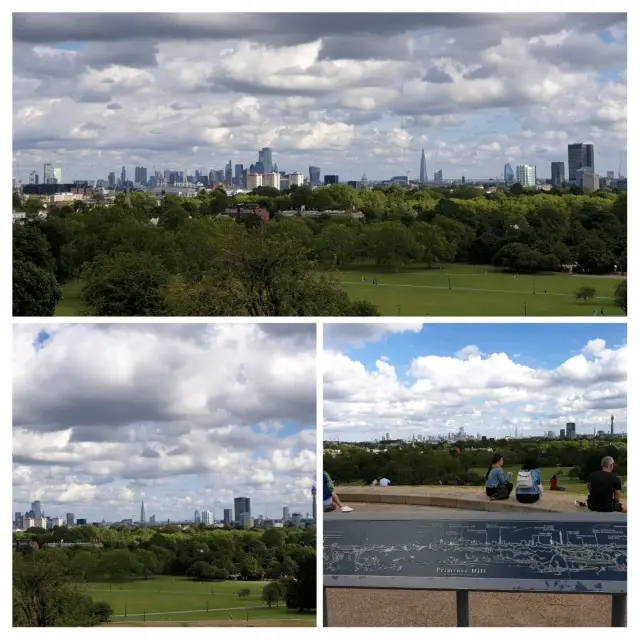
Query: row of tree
x=421, y=463
x=193, y=263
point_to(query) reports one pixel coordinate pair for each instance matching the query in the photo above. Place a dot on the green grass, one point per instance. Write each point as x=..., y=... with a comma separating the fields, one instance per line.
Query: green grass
x=69, y=305
x=171, y=597
x=478, y=291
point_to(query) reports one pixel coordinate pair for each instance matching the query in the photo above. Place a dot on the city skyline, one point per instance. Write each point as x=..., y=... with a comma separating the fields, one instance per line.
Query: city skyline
x=362, y=94
x=152, y=415
x=410, y=379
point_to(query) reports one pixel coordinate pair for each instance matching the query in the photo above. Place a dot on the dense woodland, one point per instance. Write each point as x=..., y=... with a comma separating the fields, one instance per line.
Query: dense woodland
x=46, y=582
x=419, y=463
x=193, y=263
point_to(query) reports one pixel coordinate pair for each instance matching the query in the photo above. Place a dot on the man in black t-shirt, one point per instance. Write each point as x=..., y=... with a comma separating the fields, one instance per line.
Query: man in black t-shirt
x=605, y=489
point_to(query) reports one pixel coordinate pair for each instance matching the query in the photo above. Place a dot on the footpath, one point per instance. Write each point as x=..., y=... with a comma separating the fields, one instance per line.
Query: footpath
x=467, y=498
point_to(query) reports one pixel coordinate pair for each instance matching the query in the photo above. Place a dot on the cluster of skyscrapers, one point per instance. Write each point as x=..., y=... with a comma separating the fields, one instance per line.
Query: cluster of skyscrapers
x=36, y=517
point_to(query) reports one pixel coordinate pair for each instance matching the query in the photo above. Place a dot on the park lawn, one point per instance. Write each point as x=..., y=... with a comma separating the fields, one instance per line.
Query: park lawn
x=167, y=597
x=478, y=291
x=69, y=305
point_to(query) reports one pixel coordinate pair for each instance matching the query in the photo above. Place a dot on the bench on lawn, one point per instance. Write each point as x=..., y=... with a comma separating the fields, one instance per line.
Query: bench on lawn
x=533, y=553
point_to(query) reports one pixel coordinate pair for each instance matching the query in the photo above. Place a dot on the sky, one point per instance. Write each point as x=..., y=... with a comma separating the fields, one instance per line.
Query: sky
x=351, y=93
x=412, y=379
x=180, y=416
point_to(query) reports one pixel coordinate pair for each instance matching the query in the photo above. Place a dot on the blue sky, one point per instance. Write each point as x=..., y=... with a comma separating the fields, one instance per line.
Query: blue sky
x=487, y=378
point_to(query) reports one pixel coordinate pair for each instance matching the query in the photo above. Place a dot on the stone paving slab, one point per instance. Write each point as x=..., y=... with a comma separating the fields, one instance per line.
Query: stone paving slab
x=467, y=498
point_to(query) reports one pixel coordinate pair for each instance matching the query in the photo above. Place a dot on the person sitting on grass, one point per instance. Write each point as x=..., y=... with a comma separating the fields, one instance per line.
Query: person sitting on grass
x=528, y=482
x=553, y=484
x=497, y=482
x=383, y=482
x=330, y=499
x=605, y=490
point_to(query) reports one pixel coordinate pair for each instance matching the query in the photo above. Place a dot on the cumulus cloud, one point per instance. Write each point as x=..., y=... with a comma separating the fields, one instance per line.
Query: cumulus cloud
x=360, y=333
x=487, y=393
x=190, y=91
x=108, y=415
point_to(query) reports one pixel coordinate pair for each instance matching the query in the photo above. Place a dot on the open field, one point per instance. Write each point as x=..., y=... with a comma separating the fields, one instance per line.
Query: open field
x=69, y=305
x=177, y=599
x=478, y=291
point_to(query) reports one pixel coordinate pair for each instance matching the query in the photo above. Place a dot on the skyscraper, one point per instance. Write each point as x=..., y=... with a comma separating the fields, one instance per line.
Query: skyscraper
x=508, y=173
x=423, y=168
x=36, y=508
x=313, y=497
x=314, y=175
x=47, y=176
x=557, y=174
x=228, y=174
x=571, y=430
x=285, y=515
x=267, y=160
x=140, y=175
x=71, y=518
x=437, y=177
x=57, y=175
x=331, y=179
x=581, y=156
x=112, y=180
x=143, y=515
x=239, y=171
x=196, y=517
x=33, y=178
x=227, y=517
x=123, y=175
x=242, y=507
x=526, y=175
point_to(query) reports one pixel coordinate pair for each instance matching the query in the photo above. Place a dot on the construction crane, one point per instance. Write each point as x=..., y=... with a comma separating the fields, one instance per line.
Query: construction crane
x=620, y=166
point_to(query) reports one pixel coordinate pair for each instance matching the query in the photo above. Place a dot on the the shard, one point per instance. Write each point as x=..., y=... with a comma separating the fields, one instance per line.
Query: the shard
x=423, y=168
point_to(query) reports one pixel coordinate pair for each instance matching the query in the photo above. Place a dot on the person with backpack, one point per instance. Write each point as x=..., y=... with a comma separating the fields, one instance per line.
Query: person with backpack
x=497, y=483
x=528, y=482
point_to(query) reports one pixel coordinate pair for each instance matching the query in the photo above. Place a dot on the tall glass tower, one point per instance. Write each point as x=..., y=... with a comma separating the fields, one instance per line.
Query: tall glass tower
x=143, y=515
x=267, y=159
x=423, y=168
x=508, y=173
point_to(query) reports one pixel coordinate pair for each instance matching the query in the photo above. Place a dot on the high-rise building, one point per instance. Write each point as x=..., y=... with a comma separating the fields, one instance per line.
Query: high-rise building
x=123, y=175
x=580, y=156
x=152, y=519
x=17, y=520
x=285, y=515
x=33, y=178
x=271, y=180
x=526, y=175
x=227, y=517
x=423, y=168
x=112, y=180
x=314, y=175
x=557, y=174
x=228, y=174
x=296, y=179
x=47, y=176
x=313, y=505
x=242, y=507
x=590, y=181
x=71, y=519
x=207, y=517
x=36, y=509
x=141, y=175
x=57, y=175
x=437, y=176
x=508, y=173
x=143, y=515
x=239, y=171
x=571, y=430
x=267, y=160
x=296, y=519
x=331, y=179
x=81, y=521
x=254, y=180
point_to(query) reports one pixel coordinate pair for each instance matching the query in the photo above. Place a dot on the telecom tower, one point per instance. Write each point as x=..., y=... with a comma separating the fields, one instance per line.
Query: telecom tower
x=313, y=494
x=612, y=425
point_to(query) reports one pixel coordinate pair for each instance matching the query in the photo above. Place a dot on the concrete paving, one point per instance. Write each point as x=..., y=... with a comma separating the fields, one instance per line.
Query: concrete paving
x=465, y=498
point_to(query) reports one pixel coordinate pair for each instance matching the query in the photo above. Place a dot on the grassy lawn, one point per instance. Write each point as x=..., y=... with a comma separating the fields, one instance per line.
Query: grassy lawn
x=70, y=303
x=478, y=291
x=181, y=599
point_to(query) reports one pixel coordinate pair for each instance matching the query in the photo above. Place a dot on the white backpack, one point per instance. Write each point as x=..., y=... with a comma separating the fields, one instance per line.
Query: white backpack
x=525, y=480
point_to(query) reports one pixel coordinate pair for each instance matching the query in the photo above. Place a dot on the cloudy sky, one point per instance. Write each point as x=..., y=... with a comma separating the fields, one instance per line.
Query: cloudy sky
x=352, y=93
x=409, y=379
x=183, y=417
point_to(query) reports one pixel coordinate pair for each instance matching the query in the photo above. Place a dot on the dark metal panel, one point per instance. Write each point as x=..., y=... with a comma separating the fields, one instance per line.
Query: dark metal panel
x=484, y=555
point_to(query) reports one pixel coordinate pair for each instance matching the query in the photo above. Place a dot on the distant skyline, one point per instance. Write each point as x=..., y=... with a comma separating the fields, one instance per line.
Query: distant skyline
x=350, y=93
x=412, y=379
x=180, y=416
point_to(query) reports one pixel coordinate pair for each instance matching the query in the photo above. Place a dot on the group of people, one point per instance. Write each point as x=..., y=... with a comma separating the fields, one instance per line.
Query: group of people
x=604, y=486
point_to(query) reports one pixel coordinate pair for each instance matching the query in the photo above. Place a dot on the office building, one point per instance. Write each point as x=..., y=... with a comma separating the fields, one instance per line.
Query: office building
x=331, y=179
x=140, y=175
x=207, y=517
x=285, y=515
x=557, y=174
x=571, y=430
x=314, y=175
x=271, y=180
x=228, y=174
x=437, y=176
x=295, y=179
x=28, y=523
x=590, y=180
x=36, y=509
x=508, y=174
x=33, y=178
x=57, y=522
x=41, y=522
x=17, y=520
x=265, y=156
x=143, y=515
x=81, y=521
x=57, y=175
x=423, y=168
x=313, y=502
x=526, y=175
x=238, y=171
x=112, y=180
x=71, y=519
x=152, y=519
x=47, y=176
x=247, y=521
x=254, y=180
x=227, y=517
x=296, y=519
x=123, y=175
x=242, y=507
x=580, y=156
x=196, y=517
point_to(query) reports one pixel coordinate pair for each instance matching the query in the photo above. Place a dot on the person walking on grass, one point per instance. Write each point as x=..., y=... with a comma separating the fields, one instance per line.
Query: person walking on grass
x=330, y=499
x=529, y=482
x=497, y=483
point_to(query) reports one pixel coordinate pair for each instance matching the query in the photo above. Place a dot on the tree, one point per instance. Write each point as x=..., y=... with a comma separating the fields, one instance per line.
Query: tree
x=244, y=592
x=620, y=296
x=125, y=284
x=119, y=564
x=149, y=564
x=585, y=293
x=35, y=290
x=301, y=592
x=274, y=593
